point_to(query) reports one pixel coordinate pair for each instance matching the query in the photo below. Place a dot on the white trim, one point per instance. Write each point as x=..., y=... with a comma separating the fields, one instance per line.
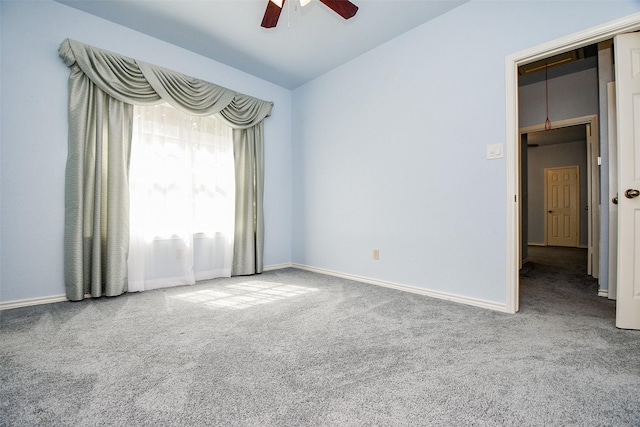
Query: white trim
x=536, y=244
x=590, y=119
x=407, y=288
x=277, y=266
x=593, y=35
x=603, y=293
x=31, y=301
x=512, y=149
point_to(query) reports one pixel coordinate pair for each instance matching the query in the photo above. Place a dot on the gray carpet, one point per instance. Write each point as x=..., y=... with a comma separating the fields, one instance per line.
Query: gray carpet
x=295, y=348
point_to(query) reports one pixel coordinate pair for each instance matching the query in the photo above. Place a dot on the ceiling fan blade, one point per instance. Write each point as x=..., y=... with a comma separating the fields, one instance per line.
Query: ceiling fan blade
x=271, y=15
x=344, y=8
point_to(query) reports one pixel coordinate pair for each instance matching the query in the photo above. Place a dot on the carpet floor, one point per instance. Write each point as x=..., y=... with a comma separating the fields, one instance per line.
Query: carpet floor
x=295, y=348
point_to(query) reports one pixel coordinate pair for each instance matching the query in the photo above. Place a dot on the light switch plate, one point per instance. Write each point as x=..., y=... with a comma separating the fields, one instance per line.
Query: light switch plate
x=495, y=151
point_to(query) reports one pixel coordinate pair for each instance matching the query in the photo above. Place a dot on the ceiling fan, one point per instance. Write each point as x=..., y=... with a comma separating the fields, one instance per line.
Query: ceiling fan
x=344, y=8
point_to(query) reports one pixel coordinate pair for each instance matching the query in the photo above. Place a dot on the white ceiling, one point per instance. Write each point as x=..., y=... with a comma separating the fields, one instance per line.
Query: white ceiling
x=307, y=42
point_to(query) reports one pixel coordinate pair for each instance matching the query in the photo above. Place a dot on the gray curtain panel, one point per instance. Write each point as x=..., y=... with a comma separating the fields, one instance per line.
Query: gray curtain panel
x=249, y=232
x=103, y=87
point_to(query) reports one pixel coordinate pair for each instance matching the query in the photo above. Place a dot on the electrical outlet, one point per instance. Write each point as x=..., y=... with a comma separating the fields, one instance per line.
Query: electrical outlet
x=376, y=254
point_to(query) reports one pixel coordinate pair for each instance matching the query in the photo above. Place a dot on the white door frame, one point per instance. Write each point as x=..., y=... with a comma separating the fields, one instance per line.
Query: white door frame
x=612, y=289
x=512, y=147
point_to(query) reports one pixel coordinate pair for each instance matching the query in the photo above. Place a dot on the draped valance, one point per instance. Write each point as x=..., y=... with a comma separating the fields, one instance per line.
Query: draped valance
x=139, y=83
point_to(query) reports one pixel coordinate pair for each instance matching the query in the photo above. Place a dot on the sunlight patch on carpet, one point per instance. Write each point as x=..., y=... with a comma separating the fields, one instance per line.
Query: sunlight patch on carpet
x=244, y=295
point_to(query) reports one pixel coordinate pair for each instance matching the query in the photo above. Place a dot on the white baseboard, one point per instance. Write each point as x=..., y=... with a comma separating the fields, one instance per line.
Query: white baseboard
x=406, y=288
x=603, y=293
x=31, y=301
x=277, y=266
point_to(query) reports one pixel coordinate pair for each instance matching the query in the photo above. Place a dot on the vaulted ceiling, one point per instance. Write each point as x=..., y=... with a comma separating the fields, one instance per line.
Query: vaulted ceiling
x=307, y=42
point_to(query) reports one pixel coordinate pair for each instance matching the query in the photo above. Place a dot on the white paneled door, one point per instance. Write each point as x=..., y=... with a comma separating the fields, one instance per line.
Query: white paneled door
x=627, y=54
x=562, y=206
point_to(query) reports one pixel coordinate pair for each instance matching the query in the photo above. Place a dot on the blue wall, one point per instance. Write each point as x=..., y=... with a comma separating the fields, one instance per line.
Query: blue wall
x=34, y=136
x=390, y=149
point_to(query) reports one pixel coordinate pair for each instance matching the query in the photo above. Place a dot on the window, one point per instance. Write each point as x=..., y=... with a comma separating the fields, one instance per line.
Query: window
x=182, y=195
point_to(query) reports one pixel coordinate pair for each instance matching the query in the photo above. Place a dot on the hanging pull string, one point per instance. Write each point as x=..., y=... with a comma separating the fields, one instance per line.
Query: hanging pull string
x=547, y=123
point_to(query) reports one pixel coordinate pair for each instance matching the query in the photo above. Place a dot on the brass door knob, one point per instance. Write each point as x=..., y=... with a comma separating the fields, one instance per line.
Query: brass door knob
x=615, y=200
x=630, y=194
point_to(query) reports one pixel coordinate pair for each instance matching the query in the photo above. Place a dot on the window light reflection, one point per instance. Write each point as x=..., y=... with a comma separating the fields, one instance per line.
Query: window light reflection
x=244, y=295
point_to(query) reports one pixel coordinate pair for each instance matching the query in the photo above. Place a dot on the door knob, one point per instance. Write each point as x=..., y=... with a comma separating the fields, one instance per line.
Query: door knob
x=630, y=194
x=615, y=200
x=550, y=211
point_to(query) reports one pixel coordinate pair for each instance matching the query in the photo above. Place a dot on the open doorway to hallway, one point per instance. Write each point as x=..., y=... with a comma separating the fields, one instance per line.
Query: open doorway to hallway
x=560, y=159
x=628, y=263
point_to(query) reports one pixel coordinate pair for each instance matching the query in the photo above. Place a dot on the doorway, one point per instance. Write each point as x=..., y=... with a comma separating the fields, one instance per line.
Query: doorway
x=557, y=212
x=561, y=195
x=513, y=153
x=568, y=142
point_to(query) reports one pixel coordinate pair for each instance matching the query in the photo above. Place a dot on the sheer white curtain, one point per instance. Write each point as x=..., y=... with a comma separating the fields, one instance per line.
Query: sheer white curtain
x=182, y=195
